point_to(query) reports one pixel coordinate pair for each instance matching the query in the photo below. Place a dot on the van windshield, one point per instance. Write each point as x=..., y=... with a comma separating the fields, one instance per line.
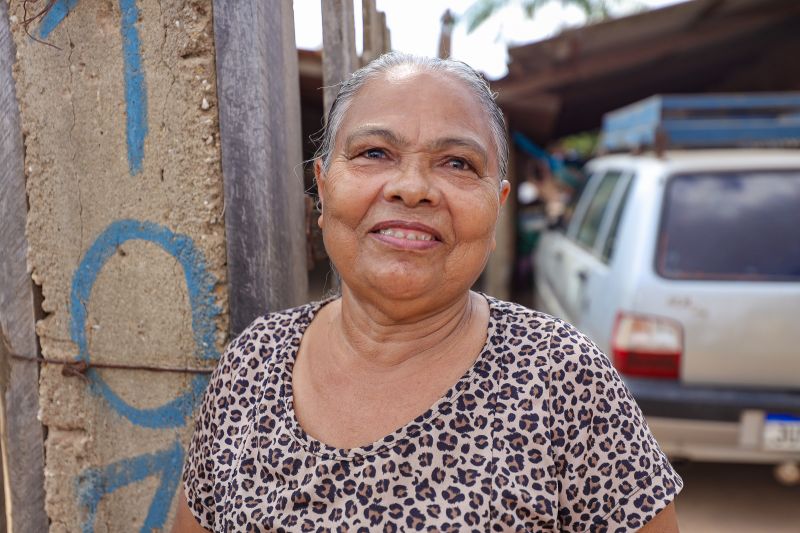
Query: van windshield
x=731, y=226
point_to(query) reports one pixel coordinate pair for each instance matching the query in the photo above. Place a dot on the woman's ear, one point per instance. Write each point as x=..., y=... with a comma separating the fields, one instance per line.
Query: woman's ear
x=319, y=177
x=505, y=188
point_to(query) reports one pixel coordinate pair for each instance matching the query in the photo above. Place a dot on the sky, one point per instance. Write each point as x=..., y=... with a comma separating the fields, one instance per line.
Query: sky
x=415, y=24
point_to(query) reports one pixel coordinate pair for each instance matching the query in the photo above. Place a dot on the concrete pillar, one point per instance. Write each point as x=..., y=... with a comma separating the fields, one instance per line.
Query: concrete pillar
x=127, y=240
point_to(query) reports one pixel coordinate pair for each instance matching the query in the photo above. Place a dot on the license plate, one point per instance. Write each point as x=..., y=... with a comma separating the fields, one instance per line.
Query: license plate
x=781, y=432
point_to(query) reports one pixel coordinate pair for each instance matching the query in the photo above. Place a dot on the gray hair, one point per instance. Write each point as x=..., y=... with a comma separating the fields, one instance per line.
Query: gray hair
x=385, y=63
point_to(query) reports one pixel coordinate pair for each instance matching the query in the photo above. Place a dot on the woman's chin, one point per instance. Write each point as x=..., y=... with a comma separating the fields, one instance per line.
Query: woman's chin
x=396, y=285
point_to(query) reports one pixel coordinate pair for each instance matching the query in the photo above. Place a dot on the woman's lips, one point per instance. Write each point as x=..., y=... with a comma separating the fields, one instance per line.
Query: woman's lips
x=406, y=235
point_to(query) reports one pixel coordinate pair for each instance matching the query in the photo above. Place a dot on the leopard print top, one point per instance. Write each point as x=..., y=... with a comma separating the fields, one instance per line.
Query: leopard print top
x=539, y=435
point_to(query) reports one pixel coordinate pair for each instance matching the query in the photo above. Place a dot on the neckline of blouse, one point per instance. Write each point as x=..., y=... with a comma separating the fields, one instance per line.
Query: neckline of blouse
x=412, y=429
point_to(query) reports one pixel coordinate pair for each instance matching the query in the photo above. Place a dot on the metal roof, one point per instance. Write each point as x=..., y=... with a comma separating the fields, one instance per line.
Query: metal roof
x=565, y=84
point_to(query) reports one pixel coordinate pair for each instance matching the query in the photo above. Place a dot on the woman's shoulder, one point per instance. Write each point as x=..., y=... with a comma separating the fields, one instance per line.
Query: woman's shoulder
x=561, y=342
x=278, y=326
x=267, y=338
x=518, y=318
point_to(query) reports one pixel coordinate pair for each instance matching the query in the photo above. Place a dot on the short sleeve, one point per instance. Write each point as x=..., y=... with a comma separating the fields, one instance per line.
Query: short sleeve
x=612, y=474
x=199, y=471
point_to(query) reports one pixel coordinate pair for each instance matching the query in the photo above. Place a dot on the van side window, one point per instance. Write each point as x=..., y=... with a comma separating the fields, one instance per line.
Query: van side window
x=608, y=246
x=573, y=212
x=590, y=225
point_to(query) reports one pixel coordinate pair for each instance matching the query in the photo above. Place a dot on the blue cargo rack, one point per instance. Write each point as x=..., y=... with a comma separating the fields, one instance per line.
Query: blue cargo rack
x=705, y=121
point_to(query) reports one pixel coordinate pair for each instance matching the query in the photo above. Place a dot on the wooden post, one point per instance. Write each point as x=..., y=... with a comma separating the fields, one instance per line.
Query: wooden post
x=23, y=437
x=497, y=275
x=446, y=34
x=387, y=36
x=381, y=33
x=375, y=33
x=259, y=114
x=339, y=57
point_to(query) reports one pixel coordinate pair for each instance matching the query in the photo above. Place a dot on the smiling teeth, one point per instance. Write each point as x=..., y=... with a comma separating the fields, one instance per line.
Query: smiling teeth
x=405, y=234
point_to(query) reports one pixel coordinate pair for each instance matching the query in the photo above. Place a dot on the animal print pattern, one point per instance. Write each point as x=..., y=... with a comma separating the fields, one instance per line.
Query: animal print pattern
x=540, y=434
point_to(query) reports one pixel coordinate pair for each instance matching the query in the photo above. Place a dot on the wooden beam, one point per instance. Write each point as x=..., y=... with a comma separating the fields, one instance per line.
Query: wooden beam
x=259, y=113
x=23, y=436
x=339, y=58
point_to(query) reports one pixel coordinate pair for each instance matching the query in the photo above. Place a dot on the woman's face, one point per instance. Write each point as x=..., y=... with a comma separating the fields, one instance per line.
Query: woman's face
x=412, y=195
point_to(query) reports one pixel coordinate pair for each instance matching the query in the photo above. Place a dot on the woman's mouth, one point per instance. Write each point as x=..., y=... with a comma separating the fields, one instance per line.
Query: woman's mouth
x=406, y=235
x=410, y=235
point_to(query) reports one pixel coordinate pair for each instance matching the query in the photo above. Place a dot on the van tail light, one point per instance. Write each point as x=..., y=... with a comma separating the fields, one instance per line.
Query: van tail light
x=646, y=345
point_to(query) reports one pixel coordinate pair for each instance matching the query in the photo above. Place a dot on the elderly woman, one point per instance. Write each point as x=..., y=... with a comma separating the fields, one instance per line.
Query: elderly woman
x=410, y=402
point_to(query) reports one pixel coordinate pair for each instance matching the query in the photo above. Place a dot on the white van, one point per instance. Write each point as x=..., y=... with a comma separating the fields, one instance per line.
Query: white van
x=684, y=267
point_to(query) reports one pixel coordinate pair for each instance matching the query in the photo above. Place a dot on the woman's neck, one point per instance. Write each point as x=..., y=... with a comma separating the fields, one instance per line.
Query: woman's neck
x=375, y=337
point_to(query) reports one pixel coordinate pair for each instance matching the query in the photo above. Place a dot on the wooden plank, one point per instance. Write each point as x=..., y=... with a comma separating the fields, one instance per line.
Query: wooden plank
x=339, y=57
x=259, y=111
x=23, y=435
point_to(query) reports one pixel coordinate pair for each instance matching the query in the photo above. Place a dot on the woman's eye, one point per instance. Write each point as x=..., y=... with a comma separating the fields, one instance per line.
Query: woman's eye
x=456, y=163
x=374, y=153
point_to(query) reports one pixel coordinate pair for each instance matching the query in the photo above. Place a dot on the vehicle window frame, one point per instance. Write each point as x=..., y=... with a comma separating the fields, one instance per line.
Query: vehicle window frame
x=658, y=248
x=617, y=204
x=591, y=248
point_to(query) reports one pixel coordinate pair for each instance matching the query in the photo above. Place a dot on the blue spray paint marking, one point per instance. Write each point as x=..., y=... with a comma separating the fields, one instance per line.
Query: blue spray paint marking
x=200, y=285
x=53, y=18
x=135, y=94
x=94, y=483
x=135, y=91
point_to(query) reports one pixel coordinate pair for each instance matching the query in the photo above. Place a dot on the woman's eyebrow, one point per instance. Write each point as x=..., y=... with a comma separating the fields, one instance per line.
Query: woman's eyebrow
x=368, y=131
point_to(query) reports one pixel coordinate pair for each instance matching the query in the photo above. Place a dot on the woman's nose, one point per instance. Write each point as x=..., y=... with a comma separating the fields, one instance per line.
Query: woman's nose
x=413, y=184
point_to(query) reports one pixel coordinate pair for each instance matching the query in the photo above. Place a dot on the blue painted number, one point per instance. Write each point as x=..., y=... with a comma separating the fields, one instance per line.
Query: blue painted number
x=135, y=91
x=95, y=483
x=201, y=298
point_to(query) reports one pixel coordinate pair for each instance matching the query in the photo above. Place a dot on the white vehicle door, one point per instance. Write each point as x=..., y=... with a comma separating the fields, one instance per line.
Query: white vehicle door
x=574, y=261
x=554, y=254
x=603, y=282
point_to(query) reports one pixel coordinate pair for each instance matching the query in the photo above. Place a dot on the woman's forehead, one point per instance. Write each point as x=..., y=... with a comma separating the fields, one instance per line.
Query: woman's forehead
x=410, y=86
x=408, y=98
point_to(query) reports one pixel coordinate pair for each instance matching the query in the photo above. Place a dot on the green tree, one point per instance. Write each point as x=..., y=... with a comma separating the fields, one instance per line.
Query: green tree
x=482, y=10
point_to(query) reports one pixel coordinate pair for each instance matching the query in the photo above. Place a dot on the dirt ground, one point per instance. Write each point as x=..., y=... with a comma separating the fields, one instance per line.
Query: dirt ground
x=733, y=498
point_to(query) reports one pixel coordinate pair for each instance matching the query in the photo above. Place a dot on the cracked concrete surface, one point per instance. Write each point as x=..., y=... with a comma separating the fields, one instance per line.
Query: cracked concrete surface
x=73, y=112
